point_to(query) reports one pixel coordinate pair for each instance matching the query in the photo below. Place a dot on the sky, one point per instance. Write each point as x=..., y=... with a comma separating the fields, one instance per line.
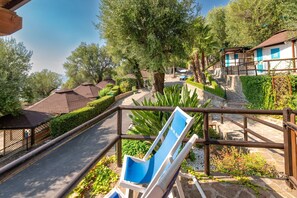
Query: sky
x=52, y=29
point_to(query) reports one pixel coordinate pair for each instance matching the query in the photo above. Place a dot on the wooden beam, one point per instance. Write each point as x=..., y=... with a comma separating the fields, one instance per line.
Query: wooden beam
x=293, y=54
x=13, y=4
x=10, y=22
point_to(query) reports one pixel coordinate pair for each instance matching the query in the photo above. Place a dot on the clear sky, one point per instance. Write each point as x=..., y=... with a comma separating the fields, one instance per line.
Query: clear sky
x=54, y=28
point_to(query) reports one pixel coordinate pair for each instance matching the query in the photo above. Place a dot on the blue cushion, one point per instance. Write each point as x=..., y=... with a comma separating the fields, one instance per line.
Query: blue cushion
x=143, y=172
x=114, y=195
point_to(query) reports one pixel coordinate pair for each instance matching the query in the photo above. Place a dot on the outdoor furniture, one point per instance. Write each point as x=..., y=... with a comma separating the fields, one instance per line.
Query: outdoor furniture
x=162, y=187
x=137, y=172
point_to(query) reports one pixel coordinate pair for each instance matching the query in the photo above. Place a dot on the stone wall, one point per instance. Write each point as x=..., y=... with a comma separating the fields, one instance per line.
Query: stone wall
x=216, y=101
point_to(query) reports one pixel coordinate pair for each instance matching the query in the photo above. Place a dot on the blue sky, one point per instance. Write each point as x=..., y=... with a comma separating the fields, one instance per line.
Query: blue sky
x=54, y=28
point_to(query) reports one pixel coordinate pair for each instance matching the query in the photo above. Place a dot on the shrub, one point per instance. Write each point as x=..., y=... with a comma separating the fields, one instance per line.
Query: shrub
x=135, y=148
x=125, y=86
x=66, y=122
x=214, y=89
x=134, y=89
x=237, y=163
x=131, y=81
x=151, y=122
x=98, y=181
x=103, y=92
x=109, y=85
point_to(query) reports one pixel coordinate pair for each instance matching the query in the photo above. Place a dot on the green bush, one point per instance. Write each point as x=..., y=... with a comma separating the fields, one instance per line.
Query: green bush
x=98, y=181
x=258, y=91
x=151, y=122
x=66, y=122
x=135, y=148
x=109, y=85
x=238, y=163
x=131, y=81
x=214, y=89
x=125, y=86
x=103, y=92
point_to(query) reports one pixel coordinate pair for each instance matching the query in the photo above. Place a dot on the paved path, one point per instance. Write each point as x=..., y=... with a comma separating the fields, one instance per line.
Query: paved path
x=51, y=173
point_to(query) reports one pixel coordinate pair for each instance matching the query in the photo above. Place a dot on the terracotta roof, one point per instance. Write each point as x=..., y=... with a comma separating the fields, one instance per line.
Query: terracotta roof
x=278, y=38
x=87, y=90
x=103, y=83
x=26, y=119
x=62, y=101
x=12, y=4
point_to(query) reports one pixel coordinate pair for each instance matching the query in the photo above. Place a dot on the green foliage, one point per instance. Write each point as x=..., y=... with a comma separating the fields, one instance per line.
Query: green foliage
x=216, y=19
x=258, y=91
x=98, y=181
x=14, y=68
x=66, y=122
x=131, y=81
x=214, y=88
x=110, y=86
x=237, y=163
x=87, y=63
x=148, y=31
x=135, y=148
x=134, y=89
x=41, y=84
x=125, y=86
x=103, y=92
x=250, y=22
x=114, y=91
x=151, y=122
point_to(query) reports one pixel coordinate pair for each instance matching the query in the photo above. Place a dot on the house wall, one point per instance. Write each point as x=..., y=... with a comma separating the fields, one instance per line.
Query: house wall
x=232, y=60
x=285, y=51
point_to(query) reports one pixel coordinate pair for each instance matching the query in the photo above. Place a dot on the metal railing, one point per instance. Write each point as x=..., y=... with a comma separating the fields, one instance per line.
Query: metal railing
x=206, y=141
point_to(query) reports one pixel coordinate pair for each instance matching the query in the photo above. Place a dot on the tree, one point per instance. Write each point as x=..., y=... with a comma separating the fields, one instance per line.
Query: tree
x=40, y=84
x=151, y=31
x=250, y=22
x=87, y=63
x=14, y=67
x=200, y=44
x=217, y=22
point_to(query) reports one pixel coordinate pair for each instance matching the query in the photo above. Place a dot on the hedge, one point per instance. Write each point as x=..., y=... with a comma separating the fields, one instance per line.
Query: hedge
x=131, y=81
x=259, y=92
x=214, y=89
x=66, y=122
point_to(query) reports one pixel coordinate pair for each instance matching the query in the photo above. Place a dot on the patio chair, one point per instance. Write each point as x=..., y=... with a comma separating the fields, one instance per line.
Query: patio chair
x=162, y=188
x=138, y=172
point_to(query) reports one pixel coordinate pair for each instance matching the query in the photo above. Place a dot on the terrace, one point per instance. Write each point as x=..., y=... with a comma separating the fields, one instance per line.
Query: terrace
x=275, y=187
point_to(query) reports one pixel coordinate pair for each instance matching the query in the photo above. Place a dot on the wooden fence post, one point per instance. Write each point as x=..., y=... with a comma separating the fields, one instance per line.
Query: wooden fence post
x=222, y=116
x=268, y=68
x=294, y=148
x=119, y=143
x=287, y=145
x=246, y=70
x=206, y=145
x=245, y=133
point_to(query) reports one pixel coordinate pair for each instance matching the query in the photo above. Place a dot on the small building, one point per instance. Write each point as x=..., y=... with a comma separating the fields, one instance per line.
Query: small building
x=103, y=83
x=60, y=102
x=87, y=90
x=235, y=56
x=22, y=131
x=276, y=53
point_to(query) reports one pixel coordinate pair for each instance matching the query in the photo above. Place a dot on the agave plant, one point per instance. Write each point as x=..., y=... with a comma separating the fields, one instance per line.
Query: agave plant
x=151, y=122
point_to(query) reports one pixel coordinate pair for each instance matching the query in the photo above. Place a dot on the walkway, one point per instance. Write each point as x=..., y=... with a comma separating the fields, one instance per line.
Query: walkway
x=51, y=173
x=230, y=131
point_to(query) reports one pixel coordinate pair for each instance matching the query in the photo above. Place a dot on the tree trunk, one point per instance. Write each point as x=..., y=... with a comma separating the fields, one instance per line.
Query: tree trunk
x=173, y=71
x=138, y=75
x=158, y=82
x=197, y=65
x=194, y=71
x=203, y=61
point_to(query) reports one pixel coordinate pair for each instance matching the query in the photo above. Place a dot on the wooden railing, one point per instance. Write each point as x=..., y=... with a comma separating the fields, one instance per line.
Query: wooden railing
x=245, y=68
x=206, y=141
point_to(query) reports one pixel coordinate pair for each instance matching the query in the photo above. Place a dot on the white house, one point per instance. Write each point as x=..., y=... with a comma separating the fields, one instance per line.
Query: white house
x=277, y=52
x=235, y=56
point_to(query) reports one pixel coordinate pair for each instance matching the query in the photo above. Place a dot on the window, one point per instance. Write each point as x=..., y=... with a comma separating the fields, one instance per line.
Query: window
x=275, y=53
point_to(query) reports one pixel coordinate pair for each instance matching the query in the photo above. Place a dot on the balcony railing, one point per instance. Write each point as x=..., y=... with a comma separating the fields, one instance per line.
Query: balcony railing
x=289, y=146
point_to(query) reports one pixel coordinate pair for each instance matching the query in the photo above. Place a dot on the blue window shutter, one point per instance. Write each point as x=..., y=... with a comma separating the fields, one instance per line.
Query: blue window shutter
x=275, y=53
x=235, y=56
